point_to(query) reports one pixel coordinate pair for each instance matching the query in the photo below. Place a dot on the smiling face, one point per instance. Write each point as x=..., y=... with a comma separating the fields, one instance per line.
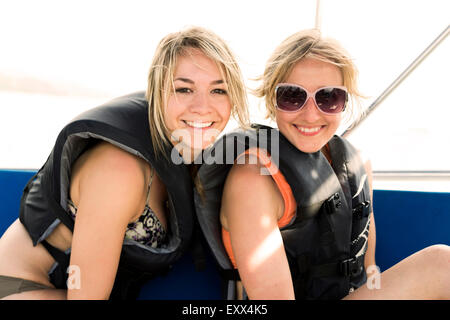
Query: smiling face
x=309, y=129
x=198, y=107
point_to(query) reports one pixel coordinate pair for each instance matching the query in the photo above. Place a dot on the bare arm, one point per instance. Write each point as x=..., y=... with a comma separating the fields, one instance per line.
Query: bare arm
x=371, y=241
x=251, y=205
x=110, y=193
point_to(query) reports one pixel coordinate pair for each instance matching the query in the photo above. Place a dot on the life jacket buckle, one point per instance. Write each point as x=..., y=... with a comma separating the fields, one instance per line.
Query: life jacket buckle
x=333, y=203
x=362, y=210
x=350, y=267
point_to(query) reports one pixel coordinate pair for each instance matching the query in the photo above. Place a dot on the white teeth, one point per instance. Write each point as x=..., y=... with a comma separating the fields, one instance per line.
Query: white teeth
x=308, y=130
x=200, y=125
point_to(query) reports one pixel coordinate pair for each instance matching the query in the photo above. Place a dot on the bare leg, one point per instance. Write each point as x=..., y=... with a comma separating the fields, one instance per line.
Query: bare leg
x=44, y=294
x=423, y=275
x=20, y=259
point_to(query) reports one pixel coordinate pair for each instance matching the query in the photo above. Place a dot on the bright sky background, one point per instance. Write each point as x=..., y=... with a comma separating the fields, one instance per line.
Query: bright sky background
x=59, y=58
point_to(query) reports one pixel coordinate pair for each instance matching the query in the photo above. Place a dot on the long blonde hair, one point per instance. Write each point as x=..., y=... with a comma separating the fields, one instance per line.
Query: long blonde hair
x=160, y=77
x=308, y=43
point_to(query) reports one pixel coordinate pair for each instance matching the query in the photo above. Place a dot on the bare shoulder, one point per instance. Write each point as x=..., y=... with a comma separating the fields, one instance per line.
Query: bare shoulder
x=246, y=176
x=107, y=154
x=248, y=190
x=108, y=169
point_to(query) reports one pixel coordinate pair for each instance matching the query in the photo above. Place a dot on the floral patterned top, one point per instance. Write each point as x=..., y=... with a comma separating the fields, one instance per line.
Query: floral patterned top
x=147, y=230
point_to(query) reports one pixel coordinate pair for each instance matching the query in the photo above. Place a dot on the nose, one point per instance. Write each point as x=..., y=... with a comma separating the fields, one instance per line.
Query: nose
x=310, y=112
x=200, y=103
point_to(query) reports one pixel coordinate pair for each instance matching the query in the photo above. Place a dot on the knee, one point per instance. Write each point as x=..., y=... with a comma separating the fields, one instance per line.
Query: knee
x=434, y=260
x=439, y=253
x=438, y=258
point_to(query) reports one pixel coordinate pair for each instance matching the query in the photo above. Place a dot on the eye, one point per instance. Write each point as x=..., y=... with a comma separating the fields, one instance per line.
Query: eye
x=219, y=91
x=183, y=90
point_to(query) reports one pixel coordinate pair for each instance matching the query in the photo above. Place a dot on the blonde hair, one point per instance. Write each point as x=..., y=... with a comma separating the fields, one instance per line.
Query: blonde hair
x=308, y=44
x=162, y=69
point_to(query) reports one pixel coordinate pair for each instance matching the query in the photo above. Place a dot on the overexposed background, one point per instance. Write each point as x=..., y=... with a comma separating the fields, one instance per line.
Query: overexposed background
x=59, y=58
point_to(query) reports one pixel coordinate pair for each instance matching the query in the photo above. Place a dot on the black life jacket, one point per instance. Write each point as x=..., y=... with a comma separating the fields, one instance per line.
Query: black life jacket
x=122, y=122
x=326, y=241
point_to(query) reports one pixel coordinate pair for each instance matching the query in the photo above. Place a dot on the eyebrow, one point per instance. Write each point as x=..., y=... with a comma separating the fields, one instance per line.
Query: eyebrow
x=192, y=82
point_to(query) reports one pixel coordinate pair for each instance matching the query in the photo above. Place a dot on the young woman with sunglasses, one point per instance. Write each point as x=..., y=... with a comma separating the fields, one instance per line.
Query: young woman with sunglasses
x=284, y=249
x=110, y=208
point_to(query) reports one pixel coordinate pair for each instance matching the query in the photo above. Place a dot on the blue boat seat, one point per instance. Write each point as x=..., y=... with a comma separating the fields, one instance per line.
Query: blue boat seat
x=405, y=223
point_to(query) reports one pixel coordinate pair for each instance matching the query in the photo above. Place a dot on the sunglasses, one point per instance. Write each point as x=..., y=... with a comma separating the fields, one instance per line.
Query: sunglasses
x=329, y=100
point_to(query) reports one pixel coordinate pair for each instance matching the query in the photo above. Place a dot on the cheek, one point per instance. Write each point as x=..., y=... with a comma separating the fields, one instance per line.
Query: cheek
x=170, y=114
x=283, y=120
x=167, y=120
x=224, y=112
x=334, y=121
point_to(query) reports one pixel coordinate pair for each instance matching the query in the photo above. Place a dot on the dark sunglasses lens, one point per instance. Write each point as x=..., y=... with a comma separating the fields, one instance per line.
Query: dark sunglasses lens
x=290, y=98
x=331, y=100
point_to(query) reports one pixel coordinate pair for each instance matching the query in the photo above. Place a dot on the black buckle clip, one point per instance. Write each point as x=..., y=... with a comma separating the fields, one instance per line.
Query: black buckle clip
x=350, y=267
x=362, y=210
x=332, y=203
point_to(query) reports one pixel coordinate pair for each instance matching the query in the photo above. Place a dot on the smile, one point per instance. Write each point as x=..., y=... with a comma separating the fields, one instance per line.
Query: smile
x=198, y=125
x=308, y=131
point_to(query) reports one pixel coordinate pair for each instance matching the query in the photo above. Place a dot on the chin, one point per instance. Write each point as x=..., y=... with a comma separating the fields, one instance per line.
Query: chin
x=310, y=144
x=308, y=149
x=307, y=145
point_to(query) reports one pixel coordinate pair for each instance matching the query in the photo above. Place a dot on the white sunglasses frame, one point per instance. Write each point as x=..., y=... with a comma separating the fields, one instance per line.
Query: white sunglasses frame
x=311, y=95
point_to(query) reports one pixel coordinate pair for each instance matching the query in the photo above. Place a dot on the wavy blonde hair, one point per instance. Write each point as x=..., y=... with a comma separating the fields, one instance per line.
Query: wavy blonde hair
x=308, y=44
x=160, y=77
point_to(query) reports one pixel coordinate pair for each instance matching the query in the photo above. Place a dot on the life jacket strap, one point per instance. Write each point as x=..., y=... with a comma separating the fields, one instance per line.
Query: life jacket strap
x=58, y=276
x=197, y=249
x=362, y=210
x=230, y=274
x=351, y=267
x=332, y=203
x=348, y=267
x=57, y=254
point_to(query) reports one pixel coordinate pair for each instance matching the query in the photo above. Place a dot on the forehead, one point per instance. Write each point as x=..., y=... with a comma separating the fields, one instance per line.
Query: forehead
x=313, y=73
x=196, y=63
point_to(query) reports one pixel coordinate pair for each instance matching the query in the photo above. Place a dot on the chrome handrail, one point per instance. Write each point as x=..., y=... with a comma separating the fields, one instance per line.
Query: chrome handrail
x=398, y=80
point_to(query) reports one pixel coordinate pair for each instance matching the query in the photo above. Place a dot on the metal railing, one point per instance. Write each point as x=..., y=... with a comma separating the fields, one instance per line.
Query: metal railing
x=399, y=80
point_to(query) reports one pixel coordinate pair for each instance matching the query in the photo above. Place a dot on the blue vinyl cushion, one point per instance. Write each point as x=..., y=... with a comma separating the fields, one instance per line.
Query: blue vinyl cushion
x=405, y=223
